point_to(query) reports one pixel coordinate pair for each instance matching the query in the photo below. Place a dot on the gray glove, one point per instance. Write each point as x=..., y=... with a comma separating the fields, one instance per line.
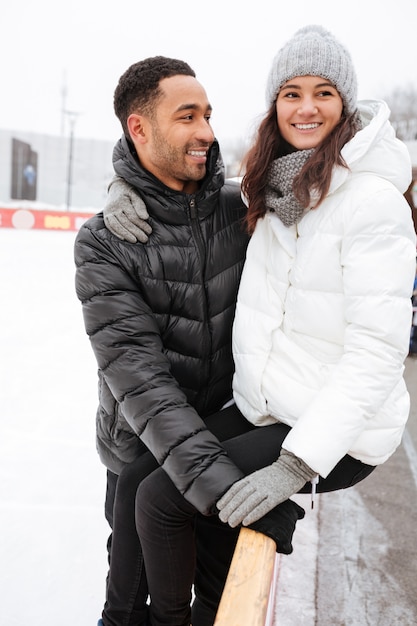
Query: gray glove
x=251, y=498
x=125, y=213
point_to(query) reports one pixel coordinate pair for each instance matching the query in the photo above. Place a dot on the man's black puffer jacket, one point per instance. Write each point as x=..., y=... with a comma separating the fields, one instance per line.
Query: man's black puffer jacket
x=159, y=317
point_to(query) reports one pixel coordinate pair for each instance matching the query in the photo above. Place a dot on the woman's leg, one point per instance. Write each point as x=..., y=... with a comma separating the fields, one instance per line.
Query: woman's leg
x=261, y=446
x=347, y=473
x=127, y=589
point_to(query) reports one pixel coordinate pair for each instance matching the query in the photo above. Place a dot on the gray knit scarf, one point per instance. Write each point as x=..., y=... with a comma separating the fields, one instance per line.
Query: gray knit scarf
x=279, y=196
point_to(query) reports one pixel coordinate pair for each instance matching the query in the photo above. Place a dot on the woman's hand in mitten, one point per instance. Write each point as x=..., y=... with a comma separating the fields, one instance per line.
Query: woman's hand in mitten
x=252, y=497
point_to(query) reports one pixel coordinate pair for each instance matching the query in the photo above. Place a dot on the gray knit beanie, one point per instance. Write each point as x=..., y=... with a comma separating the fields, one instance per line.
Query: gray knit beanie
x=313, y=51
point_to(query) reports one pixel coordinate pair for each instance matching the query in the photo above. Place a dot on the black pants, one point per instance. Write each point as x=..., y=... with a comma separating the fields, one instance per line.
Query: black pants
x=180, y=546
x=127, y=589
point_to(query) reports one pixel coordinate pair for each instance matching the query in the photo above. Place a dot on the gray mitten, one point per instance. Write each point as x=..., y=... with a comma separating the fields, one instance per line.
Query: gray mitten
x=251, y=498
x=125, y=213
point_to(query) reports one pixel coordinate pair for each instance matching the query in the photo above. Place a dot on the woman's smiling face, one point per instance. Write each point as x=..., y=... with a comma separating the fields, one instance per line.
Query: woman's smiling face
x=308, y=109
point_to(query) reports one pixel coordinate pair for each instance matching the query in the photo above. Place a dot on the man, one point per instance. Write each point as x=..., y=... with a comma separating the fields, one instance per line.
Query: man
x=159, y=317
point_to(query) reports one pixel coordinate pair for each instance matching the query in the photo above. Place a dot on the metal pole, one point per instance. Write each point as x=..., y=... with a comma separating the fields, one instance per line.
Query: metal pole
x=69, y=173
x=72, y=119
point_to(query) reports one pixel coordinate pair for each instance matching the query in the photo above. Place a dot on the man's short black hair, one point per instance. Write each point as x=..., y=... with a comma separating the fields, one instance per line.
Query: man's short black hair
x=138, y=88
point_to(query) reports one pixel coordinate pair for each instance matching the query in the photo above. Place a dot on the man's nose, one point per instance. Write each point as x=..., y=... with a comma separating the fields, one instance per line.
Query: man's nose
x=205, y=132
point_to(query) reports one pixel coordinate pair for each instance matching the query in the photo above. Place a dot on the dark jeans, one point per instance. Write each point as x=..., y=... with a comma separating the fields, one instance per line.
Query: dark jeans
x=127, y=590
x=180, y=546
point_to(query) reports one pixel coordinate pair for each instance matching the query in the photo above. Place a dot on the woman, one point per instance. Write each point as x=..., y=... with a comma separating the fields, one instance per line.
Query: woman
x=328, y=270
x=322, y=322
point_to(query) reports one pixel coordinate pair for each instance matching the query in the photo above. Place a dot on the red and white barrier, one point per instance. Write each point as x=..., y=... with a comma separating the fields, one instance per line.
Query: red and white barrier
x=27, y=219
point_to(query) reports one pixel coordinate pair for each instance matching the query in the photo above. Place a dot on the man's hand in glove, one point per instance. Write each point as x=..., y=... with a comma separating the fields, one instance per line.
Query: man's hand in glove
x=125, y=213
x=252, y=497
x=279, y=524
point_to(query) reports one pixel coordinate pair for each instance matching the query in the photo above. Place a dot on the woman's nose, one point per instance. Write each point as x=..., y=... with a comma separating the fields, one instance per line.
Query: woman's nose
x=307, y=107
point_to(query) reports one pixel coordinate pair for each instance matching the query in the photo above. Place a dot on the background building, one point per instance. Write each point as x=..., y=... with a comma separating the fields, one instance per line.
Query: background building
x=63, y=172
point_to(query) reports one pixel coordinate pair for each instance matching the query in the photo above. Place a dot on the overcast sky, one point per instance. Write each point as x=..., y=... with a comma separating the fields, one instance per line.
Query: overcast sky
x=83, y=46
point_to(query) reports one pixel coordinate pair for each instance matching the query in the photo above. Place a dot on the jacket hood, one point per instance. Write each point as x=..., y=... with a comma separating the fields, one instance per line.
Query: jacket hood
x=375, y=149
x=167, y=204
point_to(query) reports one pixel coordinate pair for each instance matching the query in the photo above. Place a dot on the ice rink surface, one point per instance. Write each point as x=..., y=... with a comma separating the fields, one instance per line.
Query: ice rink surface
x=53, y=532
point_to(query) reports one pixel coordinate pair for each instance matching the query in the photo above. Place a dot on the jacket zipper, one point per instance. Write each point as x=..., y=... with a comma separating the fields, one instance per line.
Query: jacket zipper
x=196, y=230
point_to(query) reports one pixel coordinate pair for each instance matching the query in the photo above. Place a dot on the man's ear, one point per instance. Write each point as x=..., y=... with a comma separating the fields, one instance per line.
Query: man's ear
x=137, y=125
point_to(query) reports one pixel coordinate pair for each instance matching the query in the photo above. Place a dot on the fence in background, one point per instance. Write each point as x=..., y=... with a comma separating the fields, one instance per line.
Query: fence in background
x=27, y=219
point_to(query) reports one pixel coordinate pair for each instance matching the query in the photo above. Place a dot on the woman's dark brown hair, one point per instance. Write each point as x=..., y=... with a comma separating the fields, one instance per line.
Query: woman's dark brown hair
x=315, y=175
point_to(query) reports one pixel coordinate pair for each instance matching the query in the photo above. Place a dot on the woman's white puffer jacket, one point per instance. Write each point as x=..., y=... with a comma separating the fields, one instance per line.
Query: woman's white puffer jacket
x=323, y=318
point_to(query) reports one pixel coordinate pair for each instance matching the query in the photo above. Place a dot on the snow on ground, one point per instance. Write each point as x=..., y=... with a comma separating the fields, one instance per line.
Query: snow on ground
x=52, y=485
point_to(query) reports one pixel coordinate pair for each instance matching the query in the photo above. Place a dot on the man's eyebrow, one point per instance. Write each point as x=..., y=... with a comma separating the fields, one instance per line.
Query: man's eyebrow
x=193, y=107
